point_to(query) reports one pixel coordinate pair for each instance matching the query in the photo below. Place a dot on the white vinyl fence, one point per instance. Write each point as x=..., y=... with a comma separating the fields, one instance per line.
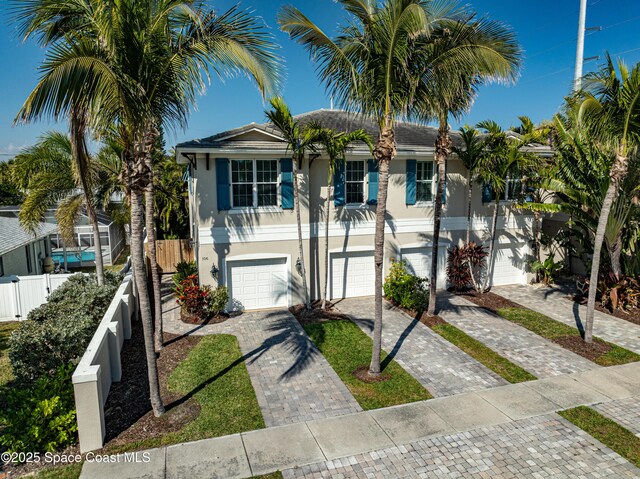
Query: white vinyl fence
x=19, y=295
x=100, y=366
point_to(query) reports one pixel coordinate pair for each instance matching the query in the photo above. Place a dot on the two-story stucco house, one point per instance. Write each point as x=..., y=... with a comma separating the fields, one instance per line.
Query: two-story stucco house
x=244, y=224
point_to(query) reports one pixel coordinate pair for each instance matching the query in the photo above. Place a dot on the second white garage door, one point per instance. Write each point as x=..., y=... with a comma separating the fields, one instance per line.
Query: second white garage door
x=352, y=274
x=258, y=284
x=510, y=264
x=419, y=262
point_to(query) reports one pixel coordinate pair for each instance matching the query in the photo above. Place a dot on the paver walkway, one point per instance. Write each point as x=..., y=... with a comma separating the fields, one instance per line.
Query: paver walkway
x=440, y=367
x=553, y=303
x=540, y=447
x=507, y=432
x=292, y=379
x=626, y=412
x=540, y=357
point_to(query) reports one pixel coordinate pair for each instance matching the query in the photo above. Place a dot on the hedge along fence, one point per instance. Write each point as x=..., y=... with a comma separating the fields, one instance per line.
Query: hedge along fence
x=100, y=366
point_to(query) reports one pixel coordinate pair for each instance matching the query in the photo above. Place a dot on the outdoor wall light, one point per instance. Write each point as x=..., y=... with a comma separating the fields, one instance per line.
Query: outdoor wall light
x=299, y=266
x=214, y=272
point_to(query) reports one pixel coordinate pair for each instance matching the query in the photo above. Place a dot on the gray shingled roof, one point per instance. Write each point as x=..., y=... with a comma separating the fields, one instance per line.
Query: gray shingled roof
x=13, y=235
x=407, y=134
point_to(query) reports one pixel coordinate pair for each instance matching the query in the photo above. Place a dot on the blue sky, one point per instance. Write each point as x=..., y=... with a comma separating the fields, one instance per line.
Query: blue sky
x=546, y=28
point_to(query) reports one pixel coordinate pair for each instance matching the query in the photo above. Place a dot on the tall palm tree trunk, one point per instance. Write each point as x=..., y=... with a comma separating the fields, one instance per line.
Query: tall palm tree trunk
x=153, y=261
x=296, y=201
x=443, y=150
x=78, y=129
x=618, y=172
x=490, y=262
x=469, y=199
x=615, y=254
x=536, y=240
x=327, y=212
x=137, y=260
x=384, y=151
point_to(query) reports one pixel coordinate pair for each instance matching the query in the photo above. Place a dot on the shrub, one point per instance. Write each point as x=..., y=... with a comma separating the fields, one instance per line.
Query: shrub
x=623, y=293
x=547, y=269
x=218, y=300
x=58, y=332
x=184, y=269
x=465, y=265
x=408, y=291
x=40, y=418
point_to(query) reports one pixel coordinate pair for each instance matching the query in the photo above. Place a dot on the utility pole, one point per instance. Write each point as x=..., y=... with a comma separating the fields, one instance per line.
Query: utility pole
x=577, y=79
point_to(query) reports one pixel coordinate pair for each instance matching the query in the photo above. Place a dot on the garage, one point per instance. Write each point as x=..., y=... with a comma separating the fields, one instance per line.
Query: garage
x=258, y=283
x=510, y=264
x=419, y=262
x=352, y=274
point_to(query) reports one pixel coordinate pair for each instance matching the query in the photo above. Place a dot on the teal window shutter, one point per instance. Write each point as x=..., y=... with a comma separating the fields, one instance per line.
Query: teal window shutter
x=487, y=193
x=223, y=193
x=339, y=185
x=286, y=183
x=411, y=182
x=372, y=171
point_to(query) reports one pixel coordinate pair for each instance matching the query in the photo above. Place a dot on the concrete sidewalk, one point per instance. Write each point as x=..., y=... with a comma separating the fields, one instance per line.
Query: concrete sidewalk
x=324, y=442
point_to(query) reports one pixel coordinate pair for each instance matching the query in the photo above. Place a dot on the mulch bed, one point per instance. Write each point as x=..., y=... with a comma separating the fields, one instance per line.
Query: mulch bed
x=632, y=315
x=431, y=321
x=316, y=314
x=362, y=374
x=128, y=414
x=192, y=319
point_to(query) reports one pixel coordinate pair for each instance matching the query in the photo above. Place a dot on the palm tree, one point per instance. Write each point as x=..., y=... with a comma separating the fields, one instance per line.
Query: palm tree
x=139, y=64
x=375, y=66
x=504, y=158
x=299, y=141
x=335, y=144
x=51, y=177
x=474, y=51
x=470, y=155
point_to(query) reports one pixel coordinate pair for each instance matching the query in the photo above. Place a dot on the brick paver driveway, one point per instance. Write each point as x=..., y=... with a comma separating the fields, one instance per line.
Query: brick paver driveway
x=292, y=379
x=553, y=303
x=440, y=367
x=540, y=357
x=625, y=412
x=540, y=447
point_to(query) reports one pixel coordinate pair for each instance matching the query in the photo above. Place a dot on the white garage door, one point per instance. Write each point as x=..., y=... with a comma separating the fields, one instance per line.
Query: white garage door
x=419, y=262
x=258, y=284
x=510, y=265
x=352, y=274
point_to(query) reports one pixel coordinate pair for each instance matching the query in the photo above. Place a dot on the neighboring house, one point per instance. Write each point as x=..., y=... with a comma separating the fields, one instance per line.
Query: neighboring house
x=244, y=225
x=22, y=253
x=112, y=239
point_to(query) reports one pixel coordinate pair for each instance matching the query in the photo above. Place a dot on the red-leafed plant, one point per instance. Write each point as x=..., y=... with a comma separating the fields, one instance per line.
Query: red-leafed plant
x=465, y=266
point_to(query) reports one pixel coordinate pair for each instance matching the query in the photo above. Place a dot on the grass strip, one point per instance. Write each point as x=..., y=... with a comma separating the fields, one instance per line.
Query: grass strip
x=556, y=331
x=6, y=329
x=346, y=347
x=71, y=471
x=608, y=432
x=481, y=353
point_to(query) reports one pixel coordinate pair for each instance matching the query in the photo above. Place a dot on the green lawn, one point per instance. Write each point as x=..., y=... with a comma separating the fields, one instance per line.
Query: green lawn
x=5, y=366
x=608, y=432
x=215, y=375
x=71, y=471
x=553, y=330
x=498, y=364
x=120, y=261
x=347, y=348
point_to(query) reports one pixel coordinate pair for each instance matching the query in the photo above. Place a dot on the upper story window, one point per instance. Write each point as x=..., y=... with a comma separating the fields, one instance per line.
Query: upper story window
x=424, y=181
x=355, y=180
x=254, y=183
x=513, y=188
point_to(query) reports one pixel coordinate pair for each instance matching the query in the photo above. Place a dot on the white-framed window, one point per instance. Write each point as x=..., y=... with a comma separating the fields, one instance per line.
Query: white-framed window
x=254, y=183
x=355, y=182
x=513, y=188
x=425, y=181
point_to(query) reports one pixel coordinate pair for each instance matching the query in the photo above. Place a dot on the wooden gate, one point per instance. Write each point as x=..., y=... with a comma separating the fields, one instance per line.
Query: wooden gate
x=171, y=252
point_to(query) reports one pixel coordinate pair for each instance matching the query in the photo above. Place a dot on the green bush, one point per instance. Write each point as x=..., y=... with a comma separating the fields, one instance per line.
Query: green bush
x=218, y=300
x=40, y=418
x=406, y=290
x=58, y=332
